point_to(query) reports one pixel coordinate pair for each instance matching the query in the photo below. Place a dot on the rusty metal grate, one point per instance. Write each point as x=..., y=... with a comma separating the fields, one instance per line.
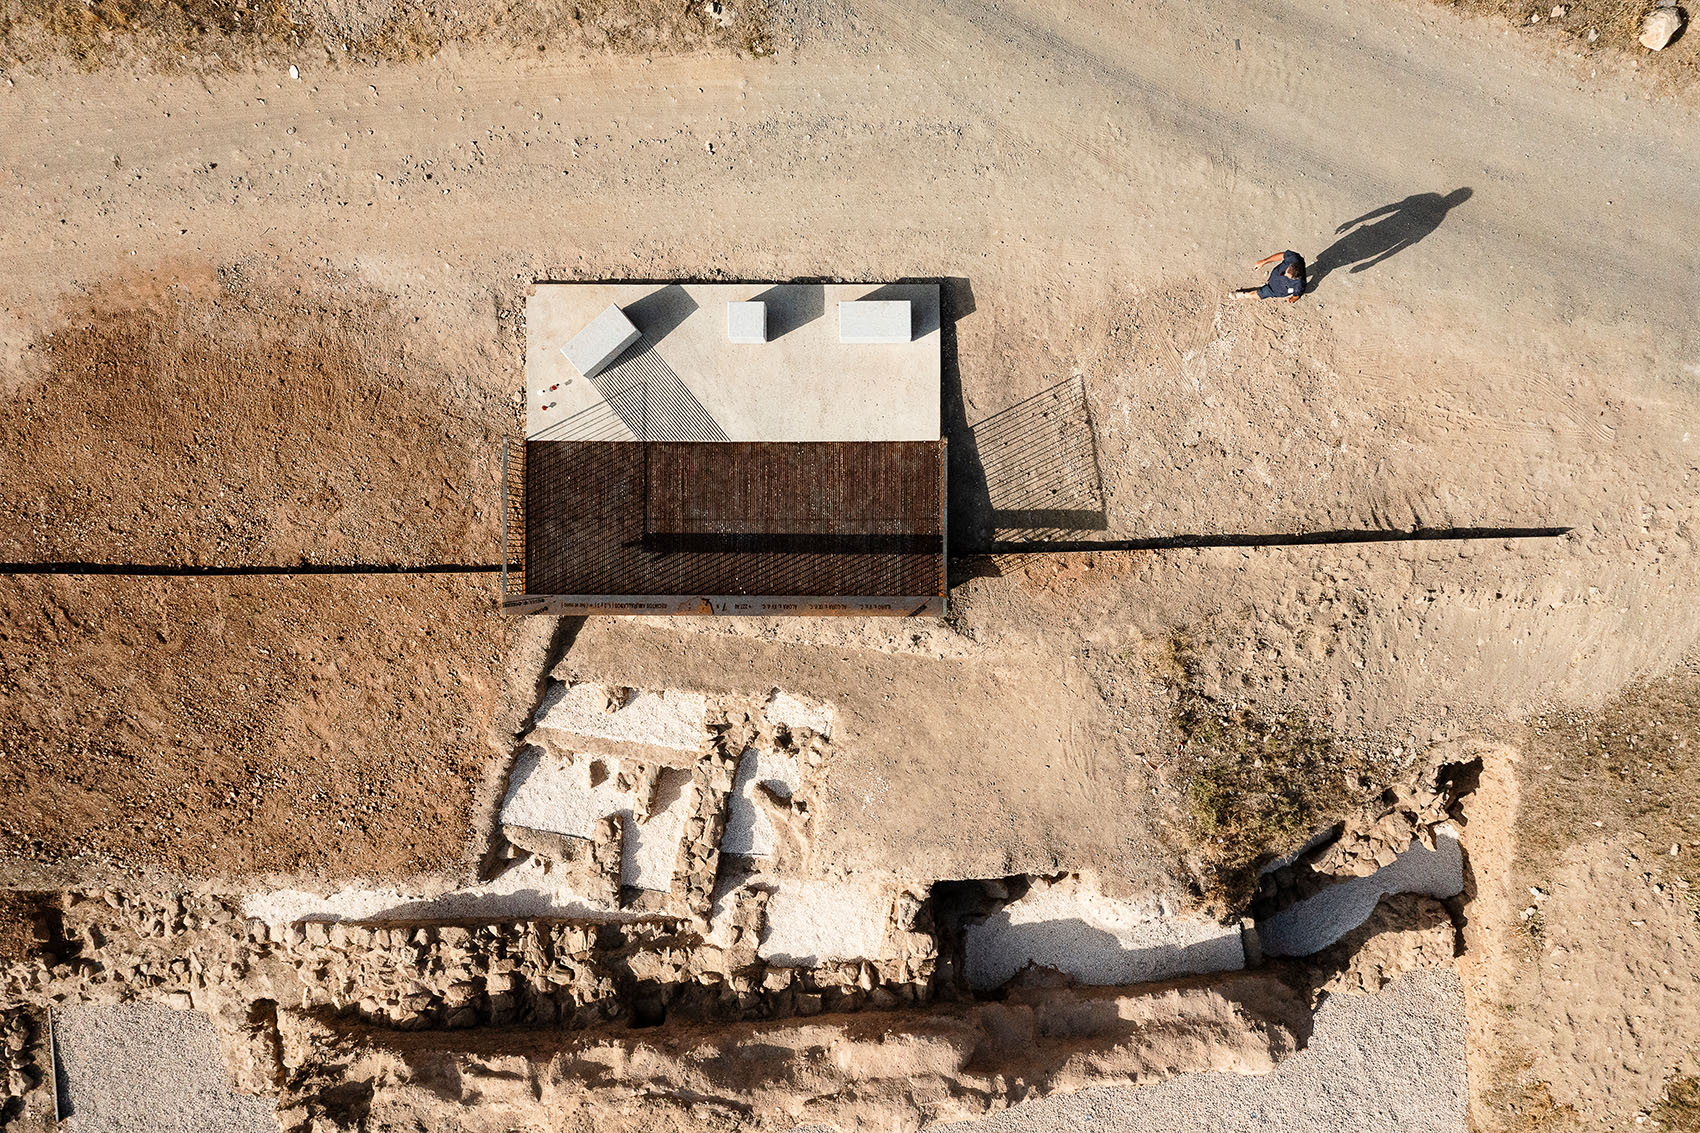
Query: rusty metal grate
x=850, y=519
x=513, y=517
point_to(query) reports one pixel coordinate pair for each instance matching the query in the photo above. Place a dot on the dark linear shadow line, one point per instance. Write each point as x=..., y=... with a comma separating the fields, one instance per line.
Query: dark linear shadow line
x=1300, y=539
x=794, y=543
x=162, y=570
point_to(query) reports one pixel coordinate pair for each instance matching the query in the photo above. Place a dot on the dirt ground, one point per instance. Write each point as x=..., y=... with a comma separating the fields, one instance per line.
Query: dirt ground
x=302, y=291
x=214, y=34
x=1611, y=28
x=199, y=384
x=1587, y=938
x=215, y=725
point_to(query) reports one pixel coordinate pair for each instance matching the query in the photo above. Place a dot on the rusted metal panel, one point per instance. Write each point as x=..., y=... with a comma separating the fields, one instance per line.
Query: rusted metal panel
x=851, y=488
x=701, y=605
x=669, y=524
x=513, y=517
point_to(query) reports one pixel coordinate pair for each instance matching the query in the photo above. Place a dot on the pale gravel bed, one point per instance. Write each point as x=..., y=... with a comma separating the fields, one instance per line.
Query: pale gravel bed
x=137, y=1068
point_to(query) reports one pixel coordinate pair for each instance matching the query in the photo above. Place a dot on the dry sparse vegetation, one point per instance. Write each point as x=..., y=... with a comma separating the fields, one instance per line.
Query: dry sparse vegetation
x=1679, y=1110
x=1261, y=782
x=1633, y=766
x=1612, y=25
x=171, y=34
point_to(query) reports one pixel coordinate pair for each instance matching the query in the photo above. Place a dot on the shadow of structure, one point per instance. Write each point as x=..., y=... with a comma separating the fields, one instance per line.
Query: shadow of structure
x=1040, y=461
x=791, y=305
x=652, y=400
x=986, y=559
x=927, y=315
x=660, y=312
x=640, y=388
x=1384, y=232
x=969, y=505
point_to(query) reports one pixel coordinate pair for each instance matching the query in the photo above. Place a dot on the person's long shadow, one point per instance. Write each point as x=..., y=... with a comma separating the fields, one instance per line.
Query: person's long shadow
x=1382, y=232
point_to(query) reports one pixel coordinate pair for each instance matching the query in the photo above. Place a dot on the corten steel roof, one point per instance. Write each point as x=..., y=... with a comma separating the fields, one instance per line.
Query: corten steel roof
x=729, y=527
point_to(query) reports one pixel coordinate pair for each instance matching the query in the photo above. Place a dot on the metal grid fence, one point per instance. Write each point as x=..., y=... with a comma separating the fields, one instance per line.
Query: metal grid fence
x=513, y=517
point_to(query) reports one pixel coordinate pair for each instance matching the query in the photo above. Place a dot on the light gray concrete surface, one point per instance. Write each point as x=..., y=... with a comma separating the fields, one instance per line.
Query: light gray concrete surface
x=1387, y=1063
x=803, y=384
x=137, y=1068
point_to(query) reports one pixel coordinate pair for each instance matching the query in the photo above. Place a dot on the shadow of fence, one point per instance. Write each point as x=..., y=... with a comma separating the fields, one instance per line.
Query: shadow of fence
x=1039, y=458
x=652, y=401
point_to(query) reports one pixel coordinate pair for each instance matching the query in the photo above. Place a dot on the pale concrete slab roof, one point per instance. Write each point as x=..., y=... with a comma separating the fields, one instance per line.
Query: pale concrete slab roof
x=685, y=380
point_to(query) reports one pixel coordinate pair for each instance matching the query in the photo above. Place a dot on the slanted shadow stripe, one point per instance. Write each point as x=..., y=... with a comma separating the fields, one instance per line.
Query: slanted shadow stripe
x=598, y=423
x=653, y=401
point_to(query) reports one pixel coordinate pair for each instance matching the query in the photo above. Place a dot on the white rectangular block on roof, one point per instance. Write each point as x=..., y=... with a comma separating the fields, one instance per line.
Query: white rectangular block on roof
x=595, y=347
x=746, y=323
x=874, y=321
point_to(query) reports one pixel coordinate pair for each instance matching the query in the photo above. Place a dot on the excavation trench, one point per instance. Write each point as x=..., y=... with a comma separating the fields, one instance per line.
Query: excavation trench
x=648, y=881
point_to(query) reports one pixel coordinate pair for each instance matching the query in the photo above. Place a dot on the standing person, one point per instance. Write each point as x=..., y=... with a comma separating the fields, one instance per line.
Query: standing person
x=1288, y=278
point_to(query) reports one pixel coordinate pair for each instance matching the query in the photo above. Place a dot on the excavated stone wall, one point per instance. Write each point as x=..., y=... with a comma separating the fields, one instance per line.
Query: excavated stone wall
x=590, y=1017
x=695, y=1004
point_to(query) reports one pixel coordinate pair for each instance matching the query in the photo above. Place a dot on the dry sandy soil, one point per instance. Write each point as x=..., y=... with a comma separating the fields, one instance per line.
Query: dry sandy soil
x=302, y=293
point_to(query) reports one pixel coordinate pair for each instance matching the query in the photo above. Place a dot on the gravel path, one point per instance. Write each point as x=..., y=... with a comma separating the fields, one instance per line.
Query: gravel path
x=144, y=1069
x=1388, y=1062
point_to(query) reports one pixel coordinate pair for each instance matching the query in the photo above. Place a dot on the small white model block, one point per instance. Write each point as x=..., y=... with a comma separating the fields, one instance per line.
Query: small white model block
x=874, y=321
x=595, y=347
x=746, y=322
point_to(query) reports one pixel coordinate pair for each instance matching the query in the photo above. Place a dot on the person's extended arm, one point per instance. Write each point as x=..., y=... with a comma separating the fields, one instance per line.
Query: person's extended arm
x=1266, y=260
x=1373, y=214
x=1294, y=298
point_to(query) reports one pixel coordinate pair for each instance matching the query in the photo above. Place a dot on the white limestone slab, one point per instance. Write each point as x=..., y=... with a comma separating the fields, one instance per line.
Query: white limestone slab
x=594, y=348
x=812, y=922
x=746, y=323
x=1073, y=927
x=530, y=887
x=649, y=854
x=876, y=322
x=572, y=794
x=670, y=719
x=749, y=831
x=730, y=891
x=798, y=715
x=561, y=794
x=1313, y=924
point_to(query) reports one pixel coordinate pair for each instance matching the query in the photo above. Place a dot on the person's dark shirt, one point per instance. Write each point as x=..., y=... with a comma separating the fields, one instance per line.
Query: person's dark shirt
x=1279, y=285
